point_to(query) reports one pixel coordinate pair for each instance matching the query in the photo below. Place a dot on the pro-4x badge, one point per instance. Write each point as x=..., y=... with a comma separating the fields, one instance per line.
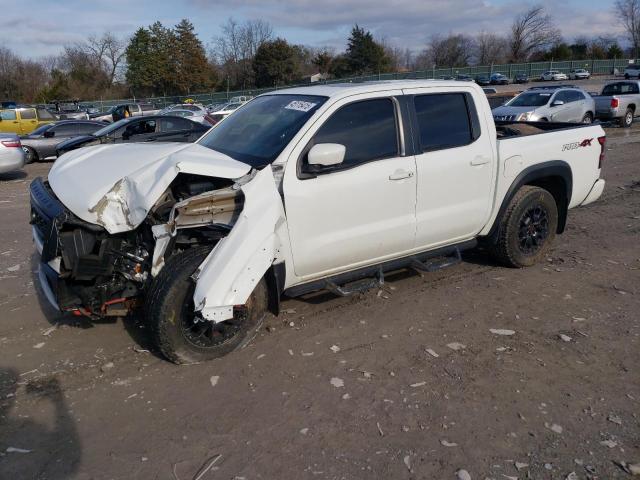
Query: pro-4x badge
x=572, y=146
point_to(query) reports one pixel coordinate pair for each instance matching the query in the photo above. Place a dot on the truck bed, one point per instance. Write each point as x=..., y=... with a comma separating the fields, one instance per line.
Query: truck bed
x=521, y=145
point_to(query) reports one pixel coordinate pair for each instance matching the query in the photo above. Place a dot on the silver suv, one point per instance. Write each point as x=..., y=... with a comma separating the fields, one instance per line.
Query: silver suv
x=548, y=104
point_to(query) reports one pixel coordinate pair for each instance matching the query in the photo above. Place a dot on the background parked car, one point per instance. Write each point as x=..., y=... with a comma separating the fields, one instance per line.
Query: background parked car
x=499, y=79
x=548, y=104
x=40, y=145
x=521, y=78
x=483, y=80
x=156, y=128
x=11, y=154
x=192, y=107
x=464, y=78
x=194, y=116
x=126, y=110
x=632, y=71
x=579, y=74
x=619, y=101
x=70, y=111
x=23, y=120
x=553, y=75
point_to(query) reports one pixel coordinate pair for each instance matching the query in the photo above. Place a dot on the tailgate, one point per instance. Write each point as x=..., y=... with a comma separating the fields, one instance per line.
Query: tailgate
x=603, y=103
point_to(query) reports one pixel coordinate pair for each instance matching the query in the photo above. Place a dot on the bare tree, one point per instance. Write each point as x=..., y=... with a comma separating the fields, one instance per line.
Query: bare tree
x=532, y=31
x=450, y=51
x=490, y=48
x=628, y=12
x=235, y=48
x=108, y=52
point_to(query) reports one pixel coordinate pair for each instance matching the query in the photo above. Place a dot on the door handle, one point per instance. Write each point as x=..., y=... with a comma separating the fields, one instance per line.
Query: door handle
x=480, y=160
x=400, y=175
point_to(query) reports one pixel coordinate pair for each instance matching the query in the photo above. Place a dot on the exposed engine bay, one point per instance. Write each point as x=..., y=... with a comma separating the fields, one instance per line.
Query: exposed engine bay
x=104, y=274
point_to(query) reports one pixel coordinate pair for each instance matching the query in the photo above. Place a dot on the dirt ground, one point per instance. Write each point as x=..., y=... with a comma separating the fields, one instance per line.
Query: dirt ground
x=356, y=388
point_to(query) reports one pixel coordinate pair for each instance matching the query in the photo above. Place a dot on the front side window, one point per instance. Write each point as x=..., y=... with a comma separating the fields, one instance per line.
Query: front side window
x=443, y=121
x=261, y=129
x=29, y=114
x=367, y=129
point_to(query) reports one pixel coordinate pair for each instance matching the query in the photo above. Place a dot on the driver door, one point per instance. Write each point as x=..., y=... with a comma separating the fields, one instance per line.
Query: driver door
x=358, y=212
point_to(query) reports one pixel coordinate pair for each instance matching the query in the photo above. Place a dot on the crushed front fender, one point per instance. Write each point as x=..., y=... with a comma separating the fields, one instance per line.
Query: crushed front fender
x=239, y=261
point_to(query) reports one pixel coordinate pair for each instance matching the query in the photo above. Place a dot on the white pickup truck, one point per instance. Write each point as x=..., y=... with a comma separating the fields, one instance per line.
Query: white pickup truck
x=323, y=187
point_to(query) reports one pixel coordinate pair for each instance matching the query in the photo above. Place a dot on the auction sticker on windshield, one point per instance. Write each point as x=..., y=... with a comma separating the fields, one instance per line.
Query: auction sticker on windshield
x=300, y=106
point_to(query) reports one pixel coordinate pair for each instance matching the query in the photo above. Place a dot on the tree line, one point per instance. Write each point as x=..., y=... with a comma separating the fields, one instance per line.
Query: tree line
x=161, y=60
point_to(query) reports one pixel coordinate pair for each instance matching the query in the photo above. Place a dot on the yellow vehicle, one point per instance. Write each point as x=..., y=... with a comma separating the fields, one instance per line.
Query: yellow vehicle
x=23, y=120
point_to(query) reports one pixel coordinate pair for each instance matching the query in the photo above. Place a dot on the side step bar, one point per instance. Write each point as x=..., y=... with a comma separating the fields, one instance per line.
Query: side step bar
x=364, y=279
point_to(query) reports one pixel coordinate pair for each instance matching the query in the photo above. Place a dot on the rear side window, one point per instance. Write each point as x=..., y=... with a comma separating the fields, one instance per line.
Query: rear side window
x=444, y=121
x=8, y=115
x=174, y=124
x=367, y=129
x=29, y=114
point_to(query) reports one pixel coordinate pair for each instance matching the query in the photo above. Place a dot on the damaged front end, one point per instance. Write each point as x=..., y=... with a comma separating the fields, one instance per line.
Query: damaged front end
x=87, y=270
x=83, y=268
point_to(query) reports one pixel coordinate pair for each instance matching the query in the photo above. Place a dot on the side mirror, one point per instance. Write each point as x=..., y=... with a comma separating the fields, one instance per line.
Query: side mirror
x=557, y=103
x=326, y=154
x=49, y=134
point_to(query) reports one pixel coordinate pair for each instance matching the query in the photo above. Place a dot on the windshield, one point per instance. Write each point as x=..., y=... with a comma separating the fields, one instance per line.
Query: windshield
x=110, y=128
x=259, y=131
x=530, y=100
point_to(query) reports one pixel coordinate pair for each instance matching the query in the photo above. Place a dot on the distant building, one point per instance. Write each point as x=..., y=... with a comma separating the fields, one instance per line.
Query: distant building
x=318, y=77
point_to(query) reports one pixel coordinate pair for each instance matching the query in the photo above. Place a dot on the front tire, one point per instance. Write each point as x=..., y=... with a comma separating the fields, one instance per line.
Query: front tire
x=527, y=228
x=30, y=155
x=182, y=335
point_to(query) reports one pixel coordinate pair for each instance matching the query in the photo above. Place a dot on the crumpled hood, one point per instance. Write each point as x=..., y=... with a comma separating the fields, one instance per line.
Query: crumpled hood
x=115, y=186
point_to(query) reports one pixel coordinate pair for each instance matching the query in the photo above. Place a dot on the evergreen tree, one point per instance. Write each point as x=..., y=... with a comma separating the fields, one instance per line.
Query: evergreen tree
x=193, y=71
x=138, y=54
x=275, y=63
x=364, y=54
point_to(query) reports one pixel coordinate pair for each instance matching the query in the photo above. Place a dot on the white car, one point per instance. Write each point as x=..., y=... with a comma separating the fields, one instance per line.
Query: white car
x=223, y=112
x=553, y=75
x=194, y=116
x=302, y=189
x=632, y=71
x=11, y=153
x=579, y=74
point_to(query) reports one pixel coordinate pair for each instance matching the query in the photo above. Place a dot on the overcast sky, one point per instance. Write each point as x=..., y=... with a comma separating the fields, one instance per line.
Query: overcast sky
x=42, y=27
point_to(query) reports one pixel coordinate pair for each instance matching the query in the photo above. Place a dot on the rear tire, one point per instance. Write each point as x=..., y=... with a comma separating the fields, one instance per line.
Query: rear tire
x=588, y=118
x=30, y=155
x=627, y=119
x=181, y=334
x=527, y=228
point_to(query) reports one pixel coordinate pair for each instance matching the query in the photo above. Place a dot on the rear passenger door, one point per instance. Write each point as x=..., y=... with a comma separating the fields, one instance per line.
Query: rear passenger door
x=455, y=166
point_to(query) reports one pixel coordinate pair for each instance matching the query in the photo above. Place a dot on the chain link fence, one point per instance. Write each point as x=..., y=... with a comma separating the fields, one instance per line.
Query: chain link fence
x=533, y=70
